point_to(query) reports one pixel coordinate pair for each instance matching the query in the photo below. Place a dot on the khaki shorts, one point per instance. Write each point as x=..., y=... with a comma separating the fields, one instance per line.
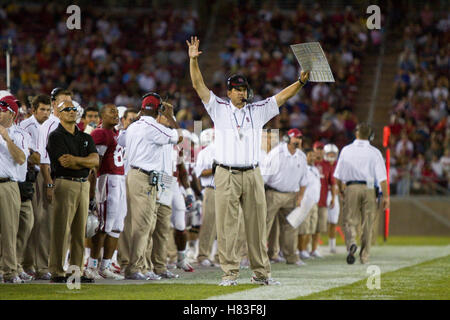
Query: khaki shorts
x=322, y=220
x=308, y=226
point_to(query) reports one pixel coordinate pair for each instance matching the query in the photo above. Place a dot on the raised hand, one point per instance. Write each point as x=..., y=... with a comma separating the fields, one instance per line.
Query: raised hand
x=304, y=76
x=193, y=47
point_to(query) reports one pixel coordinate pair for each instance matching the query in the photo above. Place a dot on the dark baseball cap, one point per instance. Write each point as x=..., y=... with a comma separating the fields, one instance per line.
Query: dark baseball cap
x=236, y=81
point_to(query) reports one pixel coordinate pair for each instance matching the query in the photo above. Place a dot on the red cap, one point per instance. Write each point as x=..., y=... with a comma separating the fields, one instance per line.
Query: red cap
x=318, y=145
x=9, y=104
x=294, y=133
x=150, y=102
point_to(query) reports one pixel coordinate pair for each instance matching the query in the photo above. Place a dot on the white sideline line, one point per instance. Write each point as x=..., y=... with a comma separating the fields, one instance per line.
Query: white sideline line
x=333, y=271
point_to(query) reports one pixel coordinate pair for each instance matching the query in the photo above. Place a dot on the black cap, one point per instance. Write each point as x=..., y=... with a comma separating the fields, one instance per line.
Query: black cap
x=55, y=92
x=236, y=81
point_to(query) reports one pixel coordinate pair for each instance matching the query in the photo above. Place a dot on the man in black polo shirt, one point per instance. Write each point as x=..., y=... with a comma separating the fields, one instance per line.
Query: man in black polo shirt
x=72, y=155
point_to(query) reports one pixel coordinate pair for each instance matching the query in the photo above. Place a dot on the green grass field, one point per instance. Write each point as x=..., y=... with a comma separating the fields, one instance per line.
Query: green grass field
x=411, y=268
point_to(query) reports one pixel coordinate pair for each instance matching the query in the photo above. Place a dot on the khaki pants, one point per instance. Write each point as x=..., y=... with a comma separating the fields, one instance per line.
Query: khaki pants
x=139, y=222
x=208, y=231
x=309, y=225
x=274, y=237
x=70, y=211
x=279, y=205
x=26, y=220
x=37, y=250
x=246, y=189
x=156, y=253
x=359, y=209
x=9, y=226
x=322, y=220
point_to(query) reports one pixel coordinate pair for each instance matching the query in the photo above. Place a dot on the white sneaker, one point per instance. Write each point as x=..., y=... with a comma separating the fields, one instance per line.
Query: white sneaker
x=206, y=263
x=300, y=263
x=228, y=283
x=15, y=279
x=183, y=264
x=265, y=282
x=25, y=277
x=304, y=255
x=91, y=273
x=316, y=254
x=108, y=274
x=152, y=276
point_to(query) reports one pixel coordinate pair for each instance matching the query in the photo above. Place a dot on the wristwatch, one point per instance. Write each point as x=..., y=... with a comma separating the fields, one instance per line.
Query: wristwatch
x=300, y=80
x=50, y=185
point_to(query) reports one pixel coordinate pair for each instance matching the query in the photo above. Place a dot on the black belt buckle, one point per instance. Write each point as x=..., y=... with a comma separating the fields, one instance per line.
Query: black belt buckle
x=153, y=178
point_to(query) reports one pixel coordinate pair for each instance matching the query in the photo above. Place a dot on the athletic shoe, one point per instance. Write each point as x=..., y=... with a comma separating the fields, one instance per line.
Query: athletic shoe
x=300, y=263
x=184, y=265
x=115, y=268
x=109, y=274
x=168, y=275
x=25, y=276
x=136, y=276
x=92, y=273
x=85, y=279
x=152, y=276
x=31, y=273
x=278, y=260
x=206, y=263
x=316, y=254
x=44, y=276
x=228, y=283
x=304, y=255
x=351, y=254
x=1, y=277
x=265, y=282
x=15, y=279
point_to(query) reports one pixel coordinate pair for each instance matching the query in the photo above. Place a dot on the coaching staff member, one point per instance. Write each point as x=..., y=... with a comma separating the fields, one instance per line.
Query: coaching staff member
x=359, y=169
x=238, y=179
x=72, y=154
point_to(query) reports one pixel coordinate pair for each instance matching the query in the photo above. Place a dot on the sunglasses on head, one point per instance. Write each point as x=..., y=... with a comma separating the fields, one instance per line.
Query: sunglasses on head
x=69, y=109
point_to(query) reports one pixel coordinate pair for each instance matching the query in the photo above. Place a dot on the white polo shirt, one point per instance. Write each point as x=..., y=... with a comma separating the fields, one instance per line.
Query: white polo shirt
x=31, y=125
x=238, y=131
x=286, y=172
x=359, y=161
x=313, y=189
x=205, y=160
x=144, y=141
x=9, y=168
x=46, y=128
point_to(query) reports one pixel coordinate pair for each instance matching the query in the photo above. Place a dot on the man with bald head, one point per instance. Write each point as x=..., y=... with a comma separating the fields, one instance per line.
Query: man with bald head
x=72, y=155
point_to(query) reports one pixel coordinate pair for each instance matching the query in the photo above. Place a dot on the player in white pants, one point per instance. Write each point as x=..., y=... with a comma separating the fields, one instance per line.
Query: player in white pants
x=331, y=152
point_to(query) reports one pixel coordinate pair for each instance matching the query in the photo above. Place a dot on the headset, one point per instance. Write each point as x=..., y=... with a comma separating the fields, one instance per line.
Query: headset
x=371, y=132
x=250, y=94
x=160, y=107
x=55, y=92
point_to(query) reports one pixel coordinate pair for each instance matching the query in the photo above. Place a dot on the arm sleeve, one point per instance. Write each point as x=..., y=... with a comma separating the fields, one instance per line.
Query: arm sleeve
x=211, y=106
x=200, y=164
x=100, y=141
x=56, y=147
x=91, y=145
x=304, y=177
x=265, y=110
x=337, y=172
x=162, y=135
x=23, y=141
x=121, y=140
x=380, y=168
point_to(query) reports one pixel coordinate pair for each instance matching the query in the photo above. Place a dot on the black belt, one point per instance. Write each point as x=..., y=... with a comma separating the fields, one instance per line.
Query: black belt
x=5, y=180
x=143, y=171
x=73, y=179
x=273, y=189
x=209, y=187
x=355, y=182
x=238, y=168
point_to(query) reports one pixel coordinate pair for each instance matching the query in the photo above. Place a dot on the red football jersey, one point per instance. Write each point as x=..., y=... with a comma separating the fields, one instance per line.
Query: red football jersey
x=326, y=170
x=112, y=153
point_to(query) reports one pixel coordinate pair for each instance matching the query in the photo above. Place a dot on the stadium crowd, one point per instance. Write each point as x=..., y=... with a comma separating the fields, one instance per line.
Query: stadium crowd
x=420, y=117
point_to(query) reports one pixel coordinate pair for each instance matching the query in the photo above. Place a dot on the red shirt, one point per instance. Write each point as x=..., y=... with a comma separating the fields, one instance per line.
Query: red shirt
x=326, y=170
x=112, y=153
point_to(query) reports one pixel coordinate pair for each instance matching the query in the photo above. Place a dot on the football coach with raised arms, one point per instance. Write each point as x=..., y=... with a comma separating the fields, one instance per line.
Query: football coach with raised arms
x=238, y=127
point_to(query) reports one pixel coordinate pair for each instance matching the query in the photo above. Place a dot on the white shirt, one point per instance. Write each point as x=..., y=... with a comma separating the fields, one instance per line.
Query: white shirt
x=238, y=131
x=9, y=168
x=313, y=190
x=144, y=141
x=31, y=125
x=286, y=172
x=359, y=161
x=205, y=160
x=44, y=131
